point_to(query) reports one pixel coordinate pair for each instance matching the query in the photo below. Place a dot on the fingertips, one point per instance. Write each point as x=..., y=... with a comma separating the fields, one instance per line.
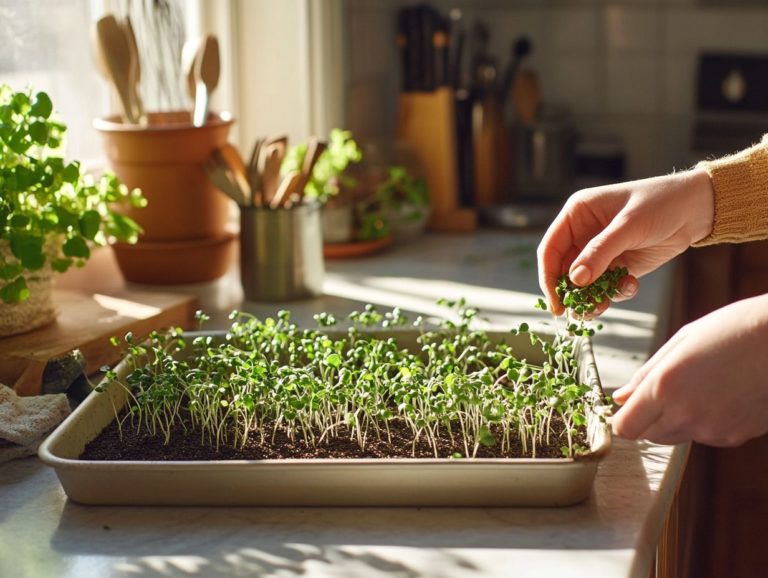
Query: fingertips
x=580, y=275
x=635, y=417
x=622, y=394
x=628, y=287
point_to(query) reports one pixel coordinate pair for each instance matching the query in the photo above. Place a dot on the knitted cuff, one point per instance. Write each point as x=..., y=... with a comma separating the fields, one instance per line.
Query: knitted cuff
x=740, y=182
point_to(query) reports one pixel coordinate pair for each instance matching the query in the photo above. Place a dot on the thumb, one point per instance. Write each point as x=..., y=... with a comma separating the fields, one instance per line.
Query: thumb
x=599, y=253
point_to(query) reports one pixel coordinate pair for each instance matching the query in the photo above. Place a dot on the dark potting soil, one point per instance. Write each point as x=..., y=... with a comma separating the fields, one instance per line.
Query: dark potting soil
x=187, y=446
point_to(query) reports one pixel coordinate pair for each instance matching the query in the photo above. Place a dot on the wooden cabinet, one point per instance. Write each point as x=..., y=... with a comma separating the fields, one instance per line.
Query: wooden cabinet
x=719, y=522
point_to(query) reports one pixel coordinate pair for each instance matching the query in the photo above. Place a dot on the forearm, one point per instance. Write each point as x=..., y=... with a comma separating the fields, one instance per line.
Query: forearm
x=740, y=183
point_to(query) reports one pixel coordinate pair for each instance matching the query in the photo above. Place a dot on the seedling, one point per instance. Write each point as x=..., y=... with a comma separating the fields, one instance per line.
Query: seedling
x=269, y=376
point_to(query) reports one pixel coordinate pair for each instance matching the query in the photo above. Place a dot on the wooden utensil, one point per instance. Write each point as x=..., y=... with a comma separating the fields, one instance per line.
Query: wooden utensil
x=235, y=164
x=223, y=178
x=287, y=187
x=526, y=96
x=134, y=73
x=280, y=143
x=188, y=57
x=207, y=70
x=254, y=176
x=315, y=149
x=114, y=56
x=270, y=173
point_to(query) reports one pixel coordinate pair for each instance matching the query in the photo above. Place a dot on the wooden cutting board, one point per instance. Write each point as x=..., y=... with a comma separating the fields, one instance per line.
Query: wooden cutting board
x=86, y=322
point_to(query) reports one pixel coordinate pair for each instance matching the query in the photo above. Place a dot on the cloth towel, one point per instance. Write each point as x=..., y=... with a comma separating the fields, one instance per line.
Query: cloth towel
x=26, y=421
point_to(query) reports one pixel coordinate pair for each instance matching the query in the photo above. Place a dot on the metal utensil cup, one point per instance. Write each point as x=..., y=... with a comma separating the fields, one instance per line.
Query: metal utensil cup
x=281, y=253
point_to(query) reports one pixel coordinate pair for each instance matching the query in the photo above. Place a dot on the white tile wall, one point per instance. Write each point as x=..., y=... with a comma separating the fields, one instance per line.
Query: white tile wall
x=627, y=66
x=631, y=28
x=632, y=83
x=573, y=80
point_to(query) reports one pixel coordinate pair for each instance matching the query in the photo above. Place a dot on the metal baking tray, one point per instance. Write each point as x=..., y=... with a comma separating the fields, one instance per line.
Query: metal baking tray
x=324, y=482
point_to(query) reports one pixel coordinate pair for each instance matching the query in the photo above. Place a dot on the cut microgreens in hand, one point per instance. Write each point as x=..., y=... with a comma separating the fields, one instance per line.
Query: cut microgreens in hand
x=458, y=392
x=581, y=301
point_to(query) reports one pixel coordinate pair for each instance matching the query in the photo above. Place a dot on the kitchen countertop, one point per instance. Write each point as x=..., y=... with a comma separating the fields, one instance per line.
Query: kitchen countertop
x=613, y=534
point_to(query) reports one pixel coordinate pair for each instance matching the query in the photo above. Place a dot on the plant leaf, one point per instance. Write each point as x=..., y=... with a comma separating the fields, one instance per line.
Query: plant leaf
x=77, y=247
x=89, y=224
x=38, y=131
x=42, y=107
x=15, y=292
x=28, y=249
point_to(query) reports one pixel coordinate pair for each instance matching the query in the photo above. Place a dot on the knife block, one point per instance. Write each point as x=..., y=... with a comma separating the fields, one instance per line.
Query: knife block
x=427, y=122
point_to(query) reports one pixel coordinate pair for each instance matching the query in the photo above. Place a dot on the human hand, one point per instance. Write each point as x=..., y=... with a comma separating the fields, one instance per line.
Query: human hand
x=638, y=225
x=707, y=384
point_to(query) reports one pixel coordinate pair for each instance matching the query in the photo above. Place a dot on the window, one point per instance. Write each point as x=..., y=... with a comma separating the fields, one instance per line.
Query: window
x=46, y=45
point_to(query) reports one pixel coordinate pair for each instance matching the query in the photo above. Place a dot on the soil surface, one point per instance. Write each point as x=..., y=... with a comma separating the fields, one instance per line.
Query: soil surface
x=187, y=446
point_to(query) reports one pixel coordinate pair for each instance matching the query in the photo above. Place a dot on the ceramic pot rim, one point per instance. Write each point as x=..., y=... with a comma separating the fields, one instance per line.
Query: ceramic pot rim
x=114, y=123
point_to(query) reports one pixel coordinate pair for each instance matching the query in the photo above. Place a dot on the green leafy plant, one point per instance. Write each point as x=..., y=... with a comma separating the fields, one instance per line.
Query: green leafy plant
x=459, y=388
x=328, y=176
x=402, y=192
x=50, y=212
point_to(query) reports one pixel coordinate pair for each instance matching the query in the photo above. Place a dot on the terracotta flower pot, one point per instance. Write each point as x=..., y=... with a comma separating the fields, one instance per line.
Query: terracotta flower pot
x=164, y=159
x=176, y=262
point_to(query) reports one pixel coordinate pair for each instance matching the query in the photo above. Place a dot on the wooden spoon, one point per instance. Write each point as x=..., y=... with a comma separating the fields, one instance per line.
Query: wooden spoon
x=285, y=190
x=188, y=56
x=134, y=73
x=254, y=175
x=114, y=56
x=270, y=173
x=315, y=149
x=235, y=164
x=207, y=70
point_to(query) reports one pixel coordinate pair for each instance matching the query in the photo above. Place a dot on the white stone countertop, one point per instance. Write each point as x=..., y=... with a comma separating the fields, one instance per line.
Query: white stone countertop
x=613, y=534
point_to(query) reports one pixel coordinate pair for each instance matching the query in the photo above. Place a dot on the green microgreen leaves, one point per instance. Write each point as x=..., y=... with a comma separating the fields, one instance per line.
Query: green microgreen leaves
x=269, y=375
x=584, y=300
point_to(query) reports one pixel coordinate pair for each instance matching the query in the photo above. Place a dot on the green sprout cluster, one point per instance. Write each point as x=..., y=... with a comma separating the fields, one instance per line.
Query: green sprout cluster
x=269, y=376
x=583, y=300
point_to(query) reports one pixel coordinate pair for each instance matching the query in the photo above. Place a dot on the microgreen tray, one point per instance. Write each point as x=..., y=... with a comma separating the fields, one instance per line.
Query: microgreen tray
x=326, y=482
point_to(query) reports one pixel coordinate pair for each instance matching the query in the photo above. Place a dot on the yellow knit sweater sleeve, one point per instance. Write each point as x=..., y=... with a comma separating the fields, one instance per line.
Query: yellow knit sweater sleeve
x=740, y=182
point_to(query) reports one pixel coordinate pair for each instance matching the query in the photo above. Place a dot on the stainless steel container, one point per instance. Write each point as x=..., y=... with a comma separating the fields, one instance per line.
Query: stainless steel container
x=544, y=159
x=281, y=253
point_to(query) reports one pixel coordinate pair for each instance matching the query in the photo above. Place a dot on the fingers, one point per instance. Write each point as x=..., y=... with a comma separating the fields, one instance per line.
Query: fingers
x=641, y=408
x=637, y=415
x=628, y=287
x=556, y=247
x=599, y=253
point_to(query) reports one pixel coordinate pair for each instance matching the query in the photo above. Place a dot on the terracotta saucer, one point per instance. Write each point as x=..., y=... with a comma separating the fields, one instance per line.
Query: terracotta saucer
x=355, y=248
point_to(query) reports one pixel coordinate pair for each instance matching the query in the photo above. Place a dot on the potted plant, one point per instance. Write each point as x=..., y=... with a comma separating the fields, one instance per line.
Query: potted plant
x=51, y=213
x=386, y=411
x=329, y=183
x=402, y=201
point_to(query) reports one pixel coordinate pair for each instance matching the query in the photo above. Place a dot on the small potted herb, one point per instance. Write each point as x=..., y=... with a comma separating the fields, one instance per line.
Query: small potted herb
x=329, y=183
x=51, y=213
x=403, y=202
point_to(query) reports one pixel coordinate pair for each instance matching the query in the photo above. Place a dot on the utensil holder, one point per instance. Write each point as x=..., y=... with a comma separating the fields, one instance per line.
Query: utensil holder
x=427, y=122
x=281, y=253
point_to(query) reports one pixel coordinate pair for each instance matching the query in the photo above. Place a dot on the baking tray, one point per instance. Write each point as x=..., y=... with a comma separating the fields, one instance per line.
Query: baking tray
x=325, y=482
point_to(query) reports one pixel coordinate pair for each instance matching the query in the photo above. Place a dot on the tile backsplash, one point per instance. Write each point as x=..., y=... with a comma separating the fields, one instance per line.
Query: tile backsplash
x=626, y=67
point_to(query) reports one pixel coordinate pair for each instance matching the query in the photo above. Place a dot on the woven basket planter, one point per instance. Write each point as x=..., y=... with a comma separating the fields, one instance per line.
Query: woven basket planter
x=36, y=311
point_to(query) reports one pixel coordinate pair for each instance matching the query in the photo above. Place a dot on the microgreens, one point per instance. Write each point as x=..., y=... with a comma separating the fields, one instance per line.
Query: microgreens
x=269, y=375
x=584, y=300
